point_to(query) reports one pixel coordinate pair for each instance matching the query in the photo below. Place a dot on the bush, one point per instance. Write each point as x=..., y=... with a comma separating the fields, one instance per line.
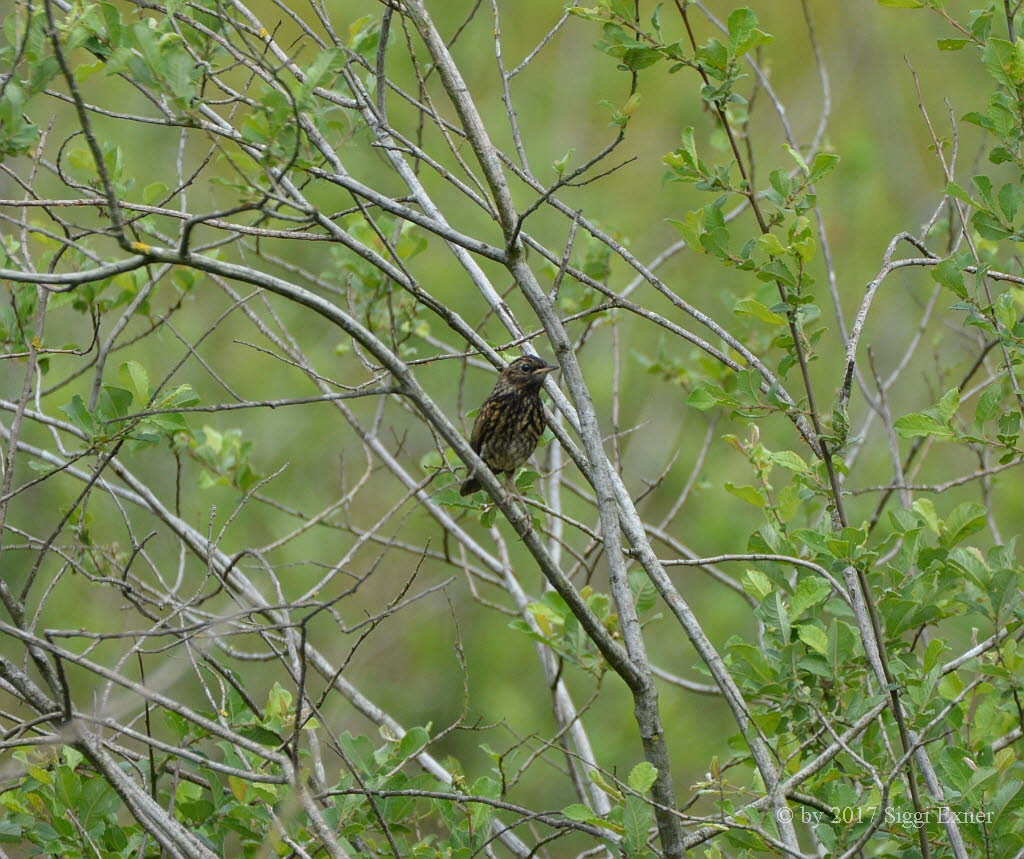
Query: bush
x=255, y=262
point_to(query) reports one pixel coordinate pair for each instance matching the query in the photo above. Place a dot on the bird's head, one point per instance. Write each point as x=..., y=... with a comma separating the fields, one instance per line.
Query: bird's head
x=525, y=374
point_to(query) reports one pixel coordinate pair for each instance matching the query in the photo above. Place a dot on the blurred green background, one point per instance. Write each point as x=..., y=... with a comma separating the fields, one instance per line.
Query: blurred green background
x=889, y=180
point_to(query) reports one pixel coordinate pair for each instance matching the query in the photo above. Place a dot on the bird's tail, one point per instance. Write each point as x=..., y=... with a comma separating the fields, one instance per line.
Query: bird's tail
x=469, y=487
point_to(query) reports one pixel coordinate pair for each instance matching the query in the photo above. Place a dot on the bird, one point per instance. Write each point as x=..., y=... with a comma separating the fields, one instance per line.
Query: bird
x=510, y=421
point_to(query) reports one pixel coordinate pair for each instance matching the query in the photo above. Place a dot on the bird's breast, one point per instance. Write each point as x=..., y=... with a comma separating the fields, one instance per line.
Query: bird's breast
x=516, y=429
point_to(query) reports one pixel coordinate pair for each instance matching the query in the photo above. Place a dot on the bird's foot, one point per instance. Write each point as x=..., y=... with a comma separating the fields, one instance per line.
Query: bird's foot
x=513, y=495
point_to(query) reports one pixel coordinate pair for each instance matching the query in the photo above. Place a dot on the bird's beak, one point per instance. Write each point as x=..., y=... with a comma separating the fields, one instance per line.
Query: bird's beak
x=543, y=371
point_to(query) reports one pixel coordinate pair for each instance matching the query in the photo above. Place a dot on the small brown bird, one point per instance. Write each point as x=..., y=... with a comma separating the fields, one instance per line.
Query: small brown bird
x=511, y=420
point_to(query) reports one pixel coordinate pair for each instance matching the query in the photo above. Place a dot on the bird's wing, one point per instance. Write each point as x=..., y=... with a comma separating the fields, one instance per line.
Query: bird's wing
x=485, y=419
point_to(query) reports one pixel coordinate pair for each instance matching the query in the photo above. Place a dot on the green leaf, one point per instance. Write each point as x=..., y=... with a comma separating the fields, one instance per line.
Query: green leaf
x=791, y=460
x=988, y=404
x=587, y=14
x=926, y=510
x=449, y=496
x=1009, y=200
x=364, y=34
x=760, y=663
x=814, y=637
x=949, y=403
x=136, y=379
x=1006, y=311
x=67, y=786
x=950, y=686
x=823, y=164
x=948, y=274
x=714, y=57
x=180, y=397
x=1004, y=795
x=682, y=168
x=743, y=32
x=167, y=422
x=1004, y=60
x=932, y=653
x=279, y=700
x=798, y=158
x=951, y=44
x=153, y=192
x=776, y=269
x=113, y=402
x=327, y=63
x=966, y=519
x=80, y=416
x=640, y=58
x=644, y=593
x=984, y=185
x=960, y=194
x=642, y=776
x=781, y=617
x=757, y=584
x=579, y=812
x=622, y=8
x=261, y=735
x=414, y=741
x=840, y=643
x=690, y=228
x=809, y=592
x=750, y=494
x=72, y=757
x=238, y=788
x=10, y=832
x=488, y=516
x=554, y=601
x=636, y=820
x=752, y=307
x=771, y=244
x=920, y=424
x=989, y=227
x=561, y=163
x=483, y=786
x=598, y=778
x=840, y=425
x=705, y=396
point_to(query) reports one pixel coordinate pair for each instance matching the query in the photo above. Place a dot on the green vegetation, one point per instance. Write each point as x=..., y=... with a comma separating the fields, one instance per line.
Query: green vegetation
x=758, y=592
